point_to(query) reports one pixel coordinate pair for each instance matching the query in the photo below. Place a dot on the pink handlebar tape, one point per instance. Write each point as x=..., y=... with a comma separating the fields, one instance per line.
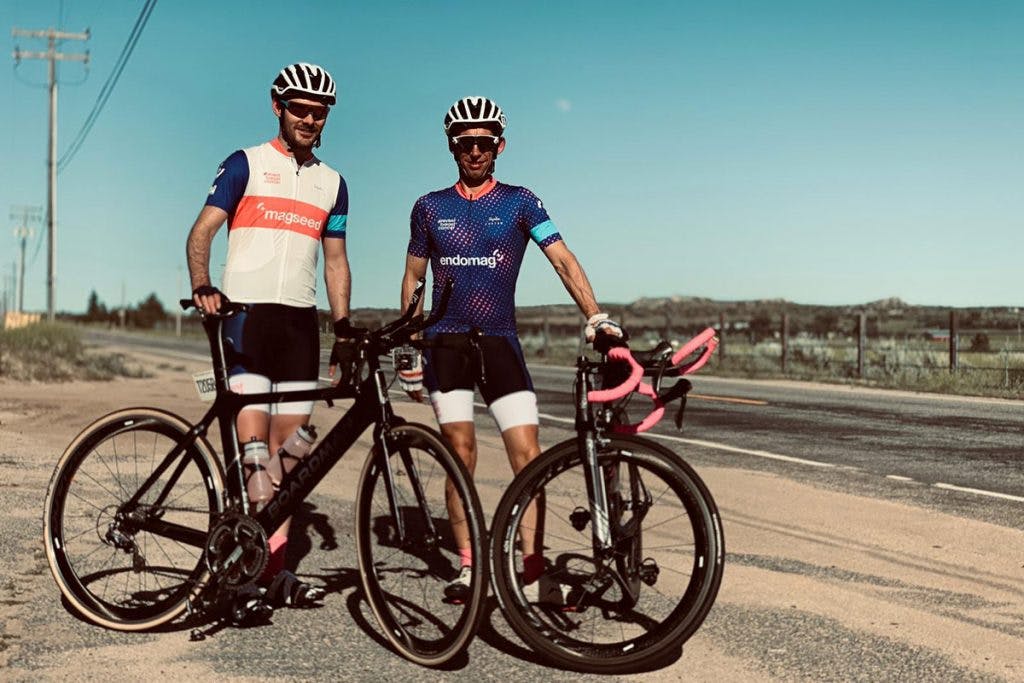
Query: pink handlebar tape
x=707, y=339
x=622, y=355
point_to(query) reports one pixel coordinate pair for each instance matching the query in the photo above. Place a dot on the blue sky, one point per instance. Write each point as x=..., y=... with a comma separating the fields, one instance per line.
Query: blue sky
x=820, y=152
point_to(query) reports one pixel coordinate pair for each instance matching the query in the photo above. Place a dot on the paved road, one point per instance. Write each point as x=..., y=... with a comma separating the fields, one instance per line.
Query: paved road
x=835, y=570
x=957, y=454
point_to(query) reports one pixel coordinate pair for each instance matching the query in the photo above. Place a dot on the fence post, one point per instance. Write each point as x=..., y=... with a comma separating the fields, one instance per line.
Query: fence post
x=954, y=331
x=785, y=341
x=721, y=336
x=862, y=342
x=544, y=345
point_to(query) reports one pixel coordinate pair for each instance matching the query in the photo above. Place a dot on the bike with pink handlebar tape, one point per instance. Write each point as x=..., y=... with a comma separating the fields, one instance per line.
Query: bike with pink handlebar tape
x=627, y=535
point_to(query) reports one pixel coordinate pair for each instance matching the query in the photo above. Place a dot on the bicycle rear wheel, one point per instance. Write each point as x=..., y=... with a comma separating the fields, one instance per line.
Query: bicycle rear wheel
x=619, y=611
x=131, y=567
x=405, y=562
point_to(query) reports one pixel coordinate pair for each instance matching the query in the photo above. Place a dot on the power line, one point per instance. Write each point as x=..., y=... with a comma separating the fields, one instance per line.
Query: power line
x=108, y=86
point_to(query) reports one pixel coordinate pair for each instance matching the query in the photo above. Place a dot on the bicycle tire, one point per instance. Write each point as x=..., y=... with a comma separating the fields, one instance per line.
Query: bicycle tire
x=135, y=571
x=404, y=583
x=623, y=633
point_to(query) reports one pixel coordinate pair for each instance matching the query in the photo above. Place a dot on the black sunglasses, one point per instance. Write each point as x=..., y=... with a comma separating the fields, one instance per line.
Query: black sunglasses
x=301, y=111
x=466, y=143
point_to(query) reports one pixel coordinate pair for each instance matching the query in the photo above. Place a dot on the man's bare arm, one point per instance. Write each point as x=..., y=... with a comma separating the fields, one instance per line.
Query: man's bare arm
x=197, y=253
x=337, y=276
x=415, y=268
x=575, y=280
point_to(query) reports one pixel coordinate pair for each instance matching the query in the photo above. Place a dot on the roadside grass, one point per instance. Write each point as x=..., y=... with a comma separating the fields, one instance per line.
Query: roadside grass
x=886, y=365
x=890, y=364
x=55, y=353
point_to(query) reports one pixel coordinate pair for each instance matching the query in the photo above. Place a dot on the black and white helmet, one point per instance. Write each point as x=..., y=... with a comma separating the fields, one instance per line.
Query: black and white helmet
x=475, y=110
x=304, y=79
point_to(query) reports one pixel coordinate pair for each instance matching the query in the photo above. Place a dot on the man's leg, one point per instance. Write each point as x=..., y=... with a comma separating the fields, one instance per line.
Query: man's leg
x=516, y=416
x=254, y=420
x=522, y=446
x=285, y=419
x=462, y=437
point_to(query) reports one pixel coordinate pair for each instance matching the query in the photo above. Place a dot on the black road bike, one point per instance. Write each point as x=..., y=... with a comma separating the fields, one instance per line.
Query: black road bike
x=145, y=525
x=631, y=536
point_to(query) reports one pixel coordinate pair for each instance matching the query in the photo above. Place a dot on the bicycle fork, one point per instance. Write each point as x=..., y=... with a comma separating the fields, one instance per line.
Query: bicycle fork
x=383, y=445
x=611, y=538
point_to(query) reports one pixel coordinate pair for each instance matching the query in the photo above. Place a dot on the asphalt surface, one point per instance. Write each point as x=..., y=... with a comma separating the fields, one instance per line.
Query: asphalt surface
x=889, y=446
x=962, y=455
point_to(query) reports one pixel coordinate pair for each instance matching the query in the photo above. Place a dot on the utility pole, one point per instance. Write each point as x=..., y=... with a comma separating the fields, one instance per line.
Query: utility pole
x=177, y=309
x=24, y=215
x=52, y=56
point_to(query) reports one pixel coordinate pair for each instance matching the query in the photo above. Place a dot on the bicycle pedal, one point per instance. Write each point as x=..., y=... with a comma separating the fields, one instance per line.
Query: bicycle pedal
x=648, y=571
x=579, y=518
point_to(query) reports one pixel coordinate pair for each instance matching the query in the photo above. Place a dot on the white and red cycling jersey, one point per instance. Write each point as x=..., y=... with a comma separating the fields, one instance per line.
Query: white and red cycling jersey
x=278, y=211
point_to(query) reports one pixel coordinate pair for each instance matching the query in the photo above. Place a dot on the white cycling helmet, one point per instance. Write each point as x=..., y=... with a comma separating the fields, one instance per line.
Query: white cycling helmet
x=305, y=79
x=475, y=110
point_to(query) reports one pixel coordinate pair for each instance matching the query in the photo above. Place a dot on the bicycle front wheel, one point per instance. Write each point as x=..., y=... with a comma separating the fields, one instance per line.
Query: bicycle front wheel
x=617, y=610
x=131, y=566
x=406, y=538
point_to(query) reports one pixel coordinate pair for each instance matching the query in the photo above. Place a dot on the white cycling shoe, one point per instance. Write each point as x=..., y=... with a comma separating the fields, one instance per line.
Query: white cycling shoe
x=458, y=589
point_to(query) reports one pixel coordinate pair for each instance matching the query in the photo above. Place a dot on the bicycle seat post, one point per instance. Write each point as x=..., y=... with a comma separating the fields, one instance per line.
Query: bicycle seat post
x=213, y=325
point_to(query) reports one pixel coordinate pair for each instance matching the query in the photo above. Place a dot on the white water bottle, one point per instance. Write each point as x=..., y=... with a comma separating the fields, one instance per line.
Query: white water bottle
x=256, y=457
x=295, y=448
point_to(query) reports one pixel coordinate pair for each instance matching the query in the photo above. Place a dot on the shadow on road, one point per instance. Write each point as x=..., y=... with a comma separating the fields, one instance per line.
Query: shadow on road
x=493, y=637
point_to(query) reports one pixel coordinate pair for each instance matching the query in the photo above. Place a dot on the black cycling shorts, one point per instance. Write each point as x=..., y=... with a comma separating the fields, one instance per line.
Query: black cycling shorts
x=451, y=363
x=279, y=342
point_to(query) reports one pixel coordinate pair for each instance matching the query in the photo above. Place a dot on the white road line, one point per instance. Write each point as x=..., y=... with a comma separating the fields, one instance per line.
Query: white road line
x=898, y=477
x=716, y=446
x=980, y=492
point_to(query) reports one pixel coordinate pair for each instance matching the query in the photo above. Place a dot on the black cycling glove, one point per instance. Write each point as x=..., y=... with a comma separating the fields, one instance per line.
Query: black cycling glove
x=345, y=355
x=209, y=290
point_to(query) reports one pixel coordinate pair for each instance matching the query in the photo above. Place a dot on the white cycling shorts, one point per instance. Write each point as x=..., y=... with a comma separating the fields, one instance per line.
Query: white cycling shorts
x=512, y=410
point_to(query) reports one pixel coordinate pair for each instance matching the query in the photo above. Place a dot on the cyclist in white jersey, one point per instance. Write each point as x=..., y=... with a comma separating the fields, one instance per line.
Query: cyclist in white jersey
x=476, y=233
x=283, y=205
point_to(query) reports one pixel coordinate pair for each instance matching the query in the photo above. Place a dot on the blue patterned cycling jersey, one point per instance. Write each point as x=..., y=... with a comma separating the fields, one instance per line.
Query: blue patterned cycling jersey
x=479, y=244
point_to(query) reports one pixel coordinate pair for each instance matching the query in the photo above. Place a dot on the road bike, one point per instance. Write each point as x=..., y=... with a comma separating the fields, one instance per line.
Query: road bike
x=144, y=524
x=632, y=541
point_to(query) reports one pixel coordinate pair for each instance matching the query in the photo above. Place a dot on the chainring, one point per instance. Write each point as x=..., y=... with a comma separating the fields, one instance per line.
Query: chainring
x=236, y=549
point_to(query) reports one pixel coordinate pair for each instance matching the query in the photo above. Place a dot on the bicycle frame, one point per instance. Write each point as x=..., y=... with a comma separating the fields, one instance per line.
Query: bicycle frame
x=371, y=407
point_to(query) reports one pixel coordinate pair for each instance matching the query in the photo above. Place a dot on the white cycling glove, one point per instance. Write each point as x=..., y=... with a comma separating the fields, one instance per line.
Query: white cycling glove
x=600, y=322
x=409, y=366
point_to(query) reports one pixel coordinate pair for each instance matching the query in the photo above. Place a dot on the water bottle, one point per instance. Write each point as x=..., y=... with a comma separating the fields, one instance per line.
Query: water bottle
x=256, y=457
x=294, y=448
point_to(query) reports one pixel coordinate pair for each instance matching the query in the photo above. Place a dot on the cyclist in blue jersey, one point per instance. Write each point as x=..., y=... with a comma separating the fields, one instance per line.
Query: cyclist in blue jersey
x=282, y=205
x=475, y=233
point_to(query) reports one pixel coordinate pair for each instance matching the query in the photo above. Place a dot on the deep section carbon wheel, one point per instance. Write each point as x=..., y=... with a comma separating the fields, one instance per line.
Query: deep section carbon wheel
x=614, y=610
x=124, y=545
x=407, y=544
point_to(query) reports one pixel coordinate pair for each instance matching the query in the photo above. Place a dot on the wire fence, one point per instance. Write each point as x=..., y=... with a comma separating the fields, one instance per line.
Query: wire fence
x=970, y=361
